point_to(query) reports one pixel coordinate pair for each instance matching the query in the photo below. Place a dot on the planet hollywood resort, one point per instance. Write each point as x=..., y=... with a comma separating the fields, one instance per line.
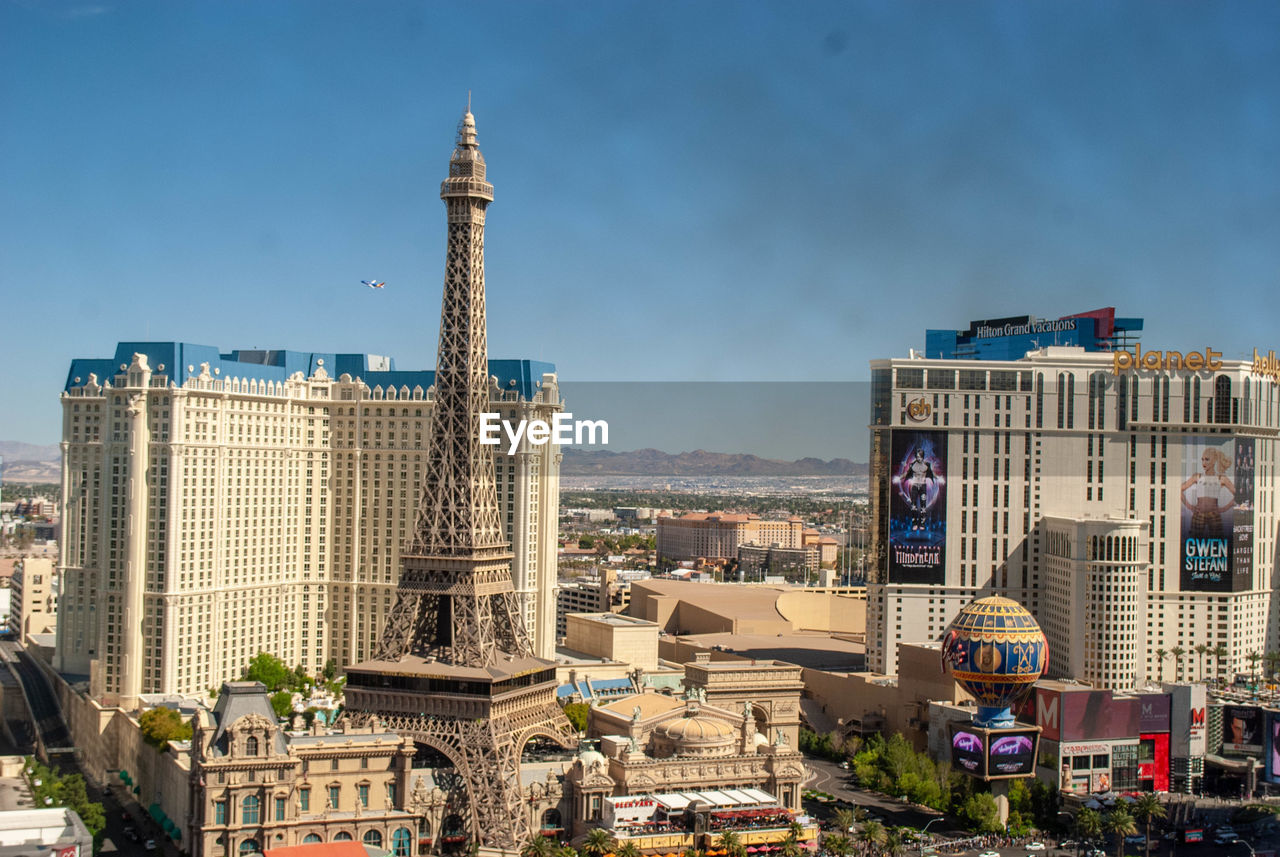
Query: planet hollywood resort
x=1121, y=489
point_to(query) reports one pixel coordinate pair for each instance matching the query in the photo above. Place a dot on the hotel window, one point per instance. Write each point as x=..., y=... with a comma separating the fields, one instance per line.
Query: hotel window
x=220, y=812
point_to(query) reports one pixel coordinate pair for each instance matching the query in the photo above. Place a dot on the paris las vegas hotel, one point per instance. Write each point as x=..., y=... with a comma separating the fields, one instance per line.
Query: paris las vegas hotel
x=1123, y=493
x=218, y=505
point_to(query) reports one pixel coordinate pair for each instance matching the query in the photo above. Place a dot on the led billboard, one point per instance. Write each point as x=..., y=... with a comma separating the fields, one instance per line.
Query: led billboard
x=1012, y=754
x=1242, y=729
x=968, y=749
x=1217, y=514
x=918, y=507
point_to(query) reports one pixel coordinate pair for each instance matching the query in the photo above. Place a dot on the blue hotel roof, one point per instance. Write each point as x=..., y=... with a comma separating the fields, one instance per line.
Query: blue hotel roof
x=278, y=365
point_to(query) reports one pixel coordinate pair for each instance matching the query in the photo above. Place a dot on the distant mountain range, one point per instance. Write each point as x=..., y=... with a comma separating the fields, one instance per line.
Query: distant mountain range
x=654, y=462
x=26, y=462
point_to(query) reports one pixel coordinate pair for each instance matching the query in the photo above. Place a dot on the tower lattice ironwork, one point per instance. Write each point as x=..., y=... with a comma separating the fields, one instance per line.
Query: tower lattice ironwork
x=454, y=667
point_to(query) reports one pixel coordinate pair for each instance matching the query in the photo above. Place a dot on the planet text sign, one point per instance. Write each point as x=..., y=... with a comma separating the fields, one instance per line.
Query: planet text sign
x=1157, y=361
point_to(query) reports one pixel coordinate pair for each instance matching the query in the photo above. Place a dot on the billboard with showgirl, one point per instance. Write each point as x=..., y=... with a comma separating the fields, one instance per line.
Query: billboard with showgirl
x=918, y=507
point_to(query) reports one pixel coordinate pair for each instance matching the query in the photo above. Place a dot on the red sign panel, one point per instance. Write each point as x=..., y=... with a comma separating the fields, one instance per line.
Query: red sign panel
x=1153, y=760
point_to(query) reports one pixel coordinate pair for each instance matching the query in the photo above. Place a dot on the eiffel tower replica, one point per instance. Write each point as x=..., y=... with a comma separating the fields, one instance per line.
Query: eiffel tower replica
x=455, y=668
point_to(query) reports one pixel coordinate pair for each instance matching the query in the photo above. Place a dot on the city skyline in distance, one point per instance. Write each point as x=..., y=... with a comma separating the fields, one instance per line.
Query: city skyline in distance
x=229, y=175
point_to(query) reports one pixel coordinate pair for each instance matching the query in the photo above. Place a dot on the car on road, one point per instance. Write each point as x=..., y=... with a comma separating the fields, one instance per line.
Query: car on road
x=1095, y=852
x=1135, y=839
x=150, y=845
x=1035, y=846
x=989, y=854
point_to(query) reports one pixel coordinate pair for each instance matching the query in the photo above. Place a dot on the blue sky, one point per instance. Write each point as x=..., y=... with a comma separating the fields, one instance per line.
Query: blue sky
x=685, y=191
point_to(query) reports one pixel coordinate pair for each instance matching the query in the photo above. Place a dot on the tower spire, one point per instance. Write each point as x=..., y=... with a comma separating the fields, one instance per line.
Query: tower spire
x=455, y=668
x=456, y=601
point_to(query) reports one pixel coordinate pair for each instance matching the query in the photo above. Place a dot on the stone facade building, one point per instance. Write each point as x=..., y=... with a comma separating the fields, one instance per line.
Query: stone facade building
x=219, y=505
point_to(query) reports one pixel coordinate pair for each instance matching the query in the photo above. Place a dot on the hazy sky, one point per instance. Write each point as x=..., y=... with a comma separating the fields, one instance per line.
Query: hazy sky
x=685, y=191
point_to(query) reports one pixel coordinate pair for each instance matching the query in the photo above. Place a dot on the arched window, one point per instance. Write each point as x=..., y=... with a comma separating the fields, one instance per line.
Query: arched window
x=343, y=836
x=250, y=846
x=401, y=842
x=251, y=745
x=251, y=810
x=309, y=838
x=372, y=838
x=1222, y=399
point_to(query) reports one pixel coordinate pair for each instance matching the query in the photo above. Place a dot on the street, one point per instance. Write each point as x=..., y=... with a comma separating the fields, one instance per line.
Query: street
x=828, y=777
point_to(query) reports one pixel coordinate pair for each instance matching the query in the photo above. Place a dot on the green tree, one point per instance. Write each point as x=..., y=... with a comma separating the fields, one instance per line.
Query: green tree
x=894, y=842
x=282, y=703
x=598, y=842
x=1271, y=663
x=980, y=814
x=576, y=712
x=537, y=846
x=1162, y=654
x=1253, y=658
x=1119, y=823
x=1201, y=650
x=627, y=849
x=1220, y=654
x=268, y=669
x=845, y=820
x=1178, y=653
x=871, y=835
x=330, y=669
x=159, y=726
x=838, y=844
x=732, y=844
x=1087, y=824
x=586, y=543
x=1148, y=808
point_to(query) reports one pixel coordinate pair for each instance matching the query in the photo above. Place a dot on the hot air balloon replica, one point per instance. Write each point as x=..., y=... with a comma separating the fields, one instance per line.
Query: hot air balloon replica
x=996, y=651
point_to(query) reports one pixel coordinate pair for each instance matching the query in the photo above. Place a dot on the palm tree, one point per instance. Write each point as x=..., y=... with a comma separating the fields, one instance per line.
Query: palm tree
x=566, y=850
x=627, y=849
x=538, y=846
x=1162, y=654
x=1202, y=650
x=894, y=842
x=838, y=844
x=1146, y=808
x=732, y=844
x=872, y=834
x=845, y=820
x=1271, y=661
x=1253, y=658
x=1219, y=653
x=1119, y=822
x=694, y=852
x=598, y=843
x=1087, y=824
x=1178, y=652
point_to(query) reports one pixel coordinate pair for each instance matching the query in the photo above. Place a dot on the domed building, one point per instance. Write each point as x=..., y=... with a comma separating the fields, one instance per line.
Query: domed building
x=651, y=743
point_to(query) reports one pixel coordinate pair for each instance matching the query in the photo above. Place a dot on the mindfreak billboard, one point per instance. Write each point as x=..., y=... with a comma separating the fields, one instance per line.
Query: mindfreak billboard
x=918, y=507
x=1217, y=514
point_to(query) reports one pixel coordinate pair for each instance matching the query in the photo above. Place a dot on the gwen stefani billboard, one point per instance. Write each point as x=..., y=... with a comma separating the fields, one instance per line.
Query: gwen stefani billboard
x=918, y=507
x=1217, y=514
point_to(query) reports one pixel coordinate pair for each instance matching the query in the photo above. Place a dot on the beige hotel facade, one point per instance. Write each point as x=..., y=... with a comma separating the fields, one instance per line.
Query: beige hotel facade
x=1126, y=498
x=219, y=505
